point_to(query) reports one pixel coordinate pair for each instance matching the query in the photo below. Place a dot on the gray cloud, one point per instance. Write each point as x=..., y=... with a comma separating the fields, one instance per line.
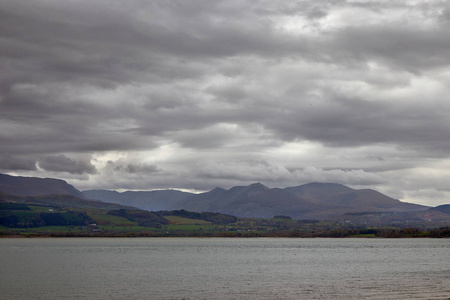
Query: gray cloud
x=197, y=94
x=11, y=162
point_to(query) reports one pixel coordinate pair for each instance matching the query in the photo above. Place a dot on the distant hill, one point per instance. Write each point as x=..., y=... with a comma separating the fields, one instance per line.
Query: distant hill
x=442, y=208
x=148, y=200
x=33, y=186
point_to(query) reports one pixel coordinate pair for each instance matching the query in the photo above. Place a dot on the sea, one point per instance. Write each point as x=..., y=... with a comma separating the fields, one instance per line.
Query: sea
x=224, y=268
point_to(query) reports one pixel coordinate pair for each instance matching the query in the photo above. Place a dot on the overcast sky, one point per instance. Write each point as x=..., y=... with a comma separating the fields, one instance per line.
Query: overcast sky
x=197, y=94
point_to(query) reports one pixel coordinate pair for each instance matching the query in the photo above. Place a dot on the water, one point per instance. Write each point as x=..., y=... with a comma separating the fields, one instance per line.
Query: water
x=223, y=268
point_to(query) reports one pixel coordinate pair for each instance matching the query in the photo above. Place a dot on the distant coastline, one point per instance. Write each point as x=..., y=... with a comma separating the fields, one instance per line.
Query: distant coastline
x=379, y=233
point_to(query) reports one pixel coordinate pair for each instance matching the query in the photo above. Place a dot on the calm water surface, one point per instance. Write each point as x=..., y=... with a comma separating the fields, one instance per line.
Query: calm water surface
x=221, y=268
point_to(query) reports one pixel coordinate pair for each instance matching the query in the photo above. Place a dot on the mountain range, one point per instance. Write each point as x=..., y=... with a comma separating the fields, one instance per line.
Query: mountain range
x=313, y=200
x=308, y=201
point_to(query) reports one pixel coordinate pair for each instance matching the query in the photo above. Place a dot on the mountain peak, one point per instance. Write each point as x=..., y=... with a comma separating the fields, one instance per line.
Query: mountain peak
x=258, y=185
x=216, y=190
x=324, y=184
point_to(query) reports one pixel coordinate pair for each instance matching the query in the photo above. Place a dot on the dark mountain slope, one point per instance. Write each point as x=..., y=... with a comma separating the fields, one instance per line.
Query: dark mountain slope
x=374, y=201
x=318, y=192
x=201, y=202
x=33, y=186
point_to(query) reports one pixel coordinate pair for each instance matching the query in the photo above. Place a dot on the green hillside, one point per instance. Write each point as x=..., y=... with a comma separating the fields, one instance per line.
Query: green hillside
x=63, y=215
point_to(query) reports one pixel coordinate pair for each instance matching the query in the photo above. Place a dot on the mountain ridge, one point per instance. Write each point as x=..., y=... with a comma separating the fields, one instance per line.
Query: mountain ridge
x=312, y=200
x=308, y=201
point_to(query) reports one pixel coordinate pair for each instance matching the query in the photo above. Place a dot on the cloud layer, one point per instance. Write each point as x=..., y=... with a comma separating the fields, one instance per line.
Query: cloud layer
x=197, y=94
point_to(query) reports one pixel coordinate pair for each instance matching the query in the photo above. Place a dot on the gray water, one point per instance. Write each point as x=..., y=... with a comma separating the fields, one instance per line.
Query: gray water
x=223, y=268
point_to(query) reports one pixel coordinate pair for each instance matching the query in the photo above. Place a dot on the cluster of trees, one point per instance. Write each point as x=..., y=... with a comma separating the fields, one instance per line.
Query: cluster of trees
x=443, y=232
x=216, y=218
x=27, y=219
x=282, y=217
x=13, y=206
x=277, y=223
x=142, y=217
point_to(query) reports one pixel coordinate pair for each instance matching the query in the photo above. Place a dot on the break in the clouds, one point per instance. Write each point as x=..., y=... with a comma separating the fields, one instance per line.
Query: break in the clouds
x=198, y=94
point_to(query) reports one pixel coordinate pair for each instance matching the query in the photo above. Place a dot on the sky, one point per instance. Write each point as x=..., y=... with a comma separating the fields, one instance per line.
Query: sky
x=198, y=94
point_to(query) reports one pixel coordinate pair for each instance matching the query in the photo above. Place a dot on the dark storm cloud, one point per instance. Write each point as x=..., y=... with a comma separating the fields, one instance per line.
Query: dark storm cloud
x=347, y=122
x=143, y=169
x=199, y=93
x=62, y=163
